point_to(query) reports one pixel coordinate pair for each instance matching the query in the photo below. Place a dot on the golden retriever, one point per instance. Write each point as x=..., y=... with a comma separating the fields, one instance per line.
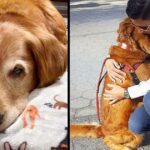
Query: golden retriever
x=33, y=52
x=114, y=128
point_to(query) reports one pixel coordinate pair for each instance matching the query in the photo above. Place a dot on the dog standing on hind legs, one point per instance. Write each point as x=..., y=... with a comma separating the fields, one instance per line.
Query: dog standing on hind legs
x=114, y=128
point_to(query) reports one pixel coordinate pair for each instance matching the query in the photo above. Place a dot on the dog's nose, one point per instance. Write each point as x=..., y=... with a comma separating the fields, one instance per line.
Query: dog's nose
x=1, y=118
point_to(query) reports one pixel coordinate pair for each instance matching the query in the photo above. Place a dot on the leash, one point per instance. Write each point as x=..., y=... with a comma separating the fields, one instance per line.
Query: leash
x=97, y=89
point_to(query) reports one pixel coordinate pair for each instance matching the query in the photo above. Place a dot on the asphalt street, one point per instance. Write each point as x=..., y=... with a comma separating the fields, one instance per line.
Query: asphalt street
x=93, y=30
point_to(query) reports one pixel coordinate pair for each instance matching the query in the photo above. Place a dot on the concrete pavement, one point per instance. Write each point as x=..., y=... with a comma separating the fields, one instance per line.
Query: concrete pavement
x=93, y=30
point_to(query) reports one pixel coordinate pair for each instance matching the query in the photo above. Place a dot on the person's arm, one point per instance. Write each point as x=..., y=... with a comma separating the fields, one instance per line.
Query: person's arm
x=139, y=90
x=117, y=93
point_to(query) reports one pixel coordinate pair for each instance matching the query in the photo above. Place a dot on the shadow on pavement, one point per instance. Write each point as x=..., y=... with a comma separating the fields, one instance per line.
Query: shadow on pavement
x=97, y=14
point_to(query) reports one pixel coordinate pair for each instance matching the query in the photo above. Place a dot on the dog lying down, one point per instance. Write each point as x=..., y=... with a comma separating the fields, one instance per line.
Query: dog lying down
x=33, y=52
x=132, y=50
x=43, y=123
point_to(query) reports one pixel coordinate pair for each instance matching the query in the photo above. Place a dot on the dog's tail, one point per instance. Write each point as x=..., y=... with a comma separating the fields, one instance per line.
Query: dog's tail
x=86, y=130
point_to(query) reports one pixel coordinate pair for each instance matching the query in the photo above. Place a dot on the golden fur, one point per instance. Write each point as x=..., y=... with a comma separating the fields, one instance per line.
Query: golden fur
x=114, y=128
x=33, y=52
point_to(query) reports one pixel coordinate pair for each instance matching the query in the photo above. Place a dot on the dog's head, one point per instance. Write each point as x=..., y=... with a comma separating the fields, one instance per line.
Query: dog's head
x=130, y=42
x=27, y=61
x=127, y=34
x=133, y=37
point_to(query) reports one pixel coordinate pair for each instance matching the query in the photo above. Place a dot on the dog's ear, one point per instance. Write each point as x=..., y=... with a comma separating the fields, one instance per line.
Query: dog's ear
x=50, y=57
x=54, y=22
x=125, y=30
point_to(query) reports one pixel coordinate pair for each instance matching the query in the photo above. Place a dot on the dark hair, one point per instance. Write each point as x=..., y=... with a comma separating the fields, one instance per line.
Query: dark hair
x=138, y=9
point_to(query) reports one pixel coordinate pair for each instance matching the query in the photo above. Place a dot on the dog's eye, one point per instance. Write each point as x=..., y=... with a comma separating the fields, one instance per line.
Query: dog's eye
x=17, y=71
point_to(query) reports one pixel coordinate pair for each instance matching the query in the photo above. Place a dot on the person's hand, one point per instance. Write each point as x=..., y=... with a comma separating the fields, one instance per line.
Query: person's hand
x=114, y=71
x=115, y=94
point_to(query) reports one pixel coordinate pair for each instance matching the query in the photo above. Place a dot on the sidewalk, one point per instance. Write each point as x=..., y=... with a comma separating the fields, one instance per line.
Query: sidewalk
x=93, y=31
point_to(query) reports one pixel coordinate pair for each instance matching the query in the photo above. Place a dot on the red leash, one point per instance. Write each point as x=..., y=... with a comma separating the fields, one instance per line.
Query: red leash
x=97, y=89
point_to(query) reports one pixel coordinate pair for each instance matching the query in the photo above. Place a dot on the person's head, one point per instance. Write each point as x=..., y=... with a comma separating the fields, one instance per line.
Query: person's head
x=139, y=12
